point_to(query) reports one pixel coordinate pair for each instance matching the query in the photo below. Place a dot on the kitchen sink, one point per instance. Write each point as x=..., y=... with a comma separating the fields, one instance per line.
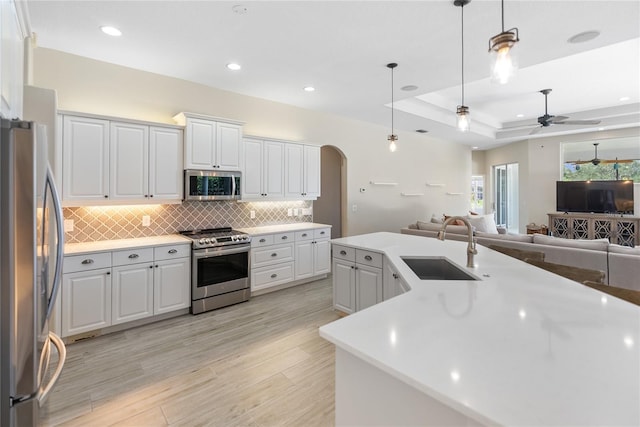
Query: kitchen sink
x=436, y=268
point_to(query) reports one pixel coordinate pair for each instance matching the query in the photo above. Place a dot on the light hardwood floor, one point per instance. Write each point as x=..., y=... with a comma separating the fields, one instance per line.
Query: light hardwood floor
x=259, y=363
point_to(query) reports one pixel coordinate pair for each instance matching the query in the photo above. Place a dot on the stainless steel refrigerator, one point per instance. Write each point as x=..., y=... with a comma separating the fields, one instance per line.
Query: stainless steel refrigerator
x=31, y=251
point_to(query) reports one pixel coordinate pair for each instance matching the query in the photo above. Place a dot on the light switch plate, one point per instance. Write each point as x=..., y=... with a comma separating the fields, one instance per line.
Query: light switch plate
x=68, y=225
x=146, y=220
x=289, y=212
x=252, y=214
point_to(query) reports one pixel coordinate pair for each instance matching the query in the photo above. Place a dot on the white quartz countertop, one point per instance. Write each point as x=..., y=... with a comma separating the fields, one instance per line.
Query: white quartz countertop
x=111, y=245
x=282, y=228
x=521, y=346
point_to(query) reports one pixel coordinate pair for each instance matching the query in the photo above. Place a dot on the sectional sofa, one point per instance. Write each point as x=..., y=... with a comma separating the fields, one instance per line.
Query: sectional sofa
x=620, y=264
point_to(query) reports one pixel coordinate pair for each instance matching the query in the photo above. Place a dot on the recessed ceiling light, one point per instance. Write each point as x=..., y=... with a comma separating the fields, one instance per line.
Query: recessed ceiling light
x=624, y=98
x=233, y=66
x=409, y=88
x=112, y=31
x=584, y=36
x=474, y=147
x=422, y=130
x=309, y=88
x=519, y=115
x=600, y=128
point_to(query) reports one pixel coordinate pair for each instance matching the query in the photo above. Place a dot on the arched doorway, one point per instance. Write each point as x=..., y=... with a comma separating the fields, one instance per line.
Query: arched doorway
x=329, y=207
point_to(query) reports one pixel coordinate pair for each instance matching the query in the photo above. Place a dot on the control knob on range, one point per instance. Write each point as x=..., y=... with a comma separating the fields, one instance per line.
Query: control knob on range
x=202, y=241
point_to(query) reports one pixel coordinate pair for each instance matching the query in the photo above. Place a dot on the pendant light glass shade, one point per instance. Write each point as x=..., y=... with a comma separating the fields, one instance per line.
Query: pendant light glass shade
x=393, y=137
x=464, y=118
x=503, y=54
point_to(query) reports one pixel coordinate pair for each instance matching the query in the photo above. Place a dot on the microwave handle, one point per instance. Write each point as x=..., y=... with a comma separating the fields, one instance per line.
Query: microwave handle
x=233, y=185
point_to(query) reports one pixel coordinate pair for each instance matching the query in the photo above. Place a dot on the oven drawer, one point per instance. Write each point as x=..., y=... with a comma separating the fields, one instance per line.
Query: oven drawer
x=171, y=252
x=271, y=276
x=271, y=255
x=86, y=262
x=132, y=256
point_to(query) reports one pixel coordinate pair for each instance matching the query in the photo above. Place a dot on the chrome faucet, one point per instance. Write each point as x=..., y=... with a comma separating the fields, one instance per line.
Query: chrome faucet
x=471, y=247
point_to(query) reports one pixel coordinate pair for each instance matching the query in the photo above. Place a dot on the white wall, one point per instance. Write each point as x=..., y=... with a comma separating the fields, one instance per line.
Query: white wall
x=92, y=86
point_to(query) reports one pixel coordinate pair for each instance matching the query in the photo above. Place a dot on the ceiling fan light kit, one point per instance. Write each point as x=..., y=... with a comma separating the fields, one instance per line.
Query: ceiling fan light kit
x=503, y=53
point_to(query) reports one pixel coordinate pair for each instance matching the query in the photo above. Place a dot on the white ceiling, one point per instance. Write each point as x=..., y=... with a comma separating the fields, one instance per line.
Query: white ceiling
x=342, y=48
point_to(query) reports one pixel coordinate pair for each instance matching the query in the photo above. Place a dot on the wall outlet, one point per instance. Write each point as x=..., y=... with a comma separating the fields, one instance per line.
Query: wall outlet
x=295, y=211
x=252, y=214
x=146, y=220
x=354, y=208
x=289, y=212
x=68, y=225
x=307, y=211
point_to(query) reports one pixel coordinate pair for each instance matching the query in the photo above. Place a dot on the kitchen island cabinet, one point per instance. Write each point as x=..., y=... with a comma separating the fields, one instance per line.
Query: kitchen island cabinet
x=517, y=346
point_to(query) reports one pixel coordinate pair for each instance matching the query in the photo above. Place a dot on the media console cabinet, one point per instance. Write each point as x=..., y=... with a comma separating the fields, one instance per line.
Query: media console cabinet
x=623, y=230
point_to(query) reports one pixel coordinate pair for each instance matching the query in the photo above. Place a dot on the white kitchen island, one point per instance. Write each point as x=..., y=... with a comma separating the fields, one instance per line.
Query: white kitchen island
x=520, y=346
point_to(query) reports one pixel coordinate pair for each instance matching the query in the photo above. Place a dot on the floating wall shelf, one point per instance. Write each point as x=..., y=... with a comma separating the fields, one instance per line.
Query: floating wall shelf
x=383, y=183
x=430, y=184
x=411, y=194
x=454, y=194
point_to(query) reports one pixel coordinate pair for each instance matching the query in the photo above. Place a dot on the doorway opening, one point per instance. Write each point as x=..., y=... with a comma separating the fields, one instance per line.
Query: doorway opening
x=506, y=196
x=329, y=207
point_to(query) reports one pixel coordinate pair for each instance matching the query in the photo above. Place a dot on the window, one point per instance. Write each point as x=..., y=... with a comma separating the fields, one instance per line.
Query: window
x=477, y=194
x=506, y=195
x=618, y=159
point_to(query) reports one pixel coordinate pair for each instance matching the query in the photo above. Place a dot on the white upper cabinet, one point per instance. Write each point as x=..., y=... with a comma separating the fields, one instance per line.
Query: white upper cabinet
x=210, y=144
x=129, y=161
x=302, y=172
x=263, y=177
x=85, y=150
x=12, y=35
x=119, y=162
x=165, y=163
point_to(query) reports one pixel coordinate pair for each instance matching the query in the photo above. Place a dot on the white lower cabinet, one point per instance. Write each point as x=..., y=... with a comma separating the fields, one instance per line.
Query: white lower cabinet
x=169, y=290
x=110, y=288
x=357, y=278
x=392, y=284
x=289, y=256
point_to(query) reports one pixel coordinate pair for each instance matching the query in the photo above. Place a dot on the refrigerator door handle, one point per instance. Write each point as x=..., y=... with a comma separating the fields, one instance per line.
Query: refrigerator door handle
x=60, y=250
x=62, y=356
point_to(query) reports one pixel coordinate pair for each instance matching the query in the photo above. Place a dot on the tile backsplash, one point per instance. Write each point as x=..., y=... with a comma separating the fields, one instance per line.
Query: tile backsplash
x=123, y=222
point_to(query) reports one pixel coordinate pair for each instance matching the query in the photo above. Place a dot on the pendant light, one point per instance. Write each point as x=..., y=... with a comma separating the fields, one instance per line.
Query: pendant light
x=393, y=137
x=462, y=112
x=503, y=58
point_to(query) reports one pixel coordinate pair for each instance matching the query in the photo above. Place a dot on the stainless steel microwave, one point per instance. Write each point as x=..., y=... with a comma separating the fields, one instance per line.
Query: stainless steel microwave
x=211, y=185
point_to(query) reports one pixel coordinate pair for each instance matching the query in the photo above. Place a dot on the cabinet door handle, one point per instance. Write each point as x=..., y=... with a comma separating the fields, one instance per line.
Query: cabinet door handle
x=284, y=237
x=368, y=257
x=395, y=276
x=108, y=273
x=343, y=252
x=352, y=267
x=304, y=235
x=151, y=266
x=322, y=232
x=274, y=275
x=274, y=254
x=87, y=261
x=150, y=195
x=133, y=256
x=106, y=196
x=173, y=251
x=156, y=265
x=262, y=240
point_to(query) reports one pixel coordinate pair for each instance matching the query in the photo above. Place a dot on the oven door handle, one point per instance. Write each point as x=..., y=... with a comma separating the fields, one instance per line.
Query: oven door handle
x=208, y=253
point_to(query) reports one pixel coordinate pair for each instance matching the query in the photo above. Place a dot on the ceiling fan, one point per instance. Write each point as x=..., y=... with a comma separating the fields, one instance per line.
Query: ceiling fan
x=548, y=120
x=596, y=161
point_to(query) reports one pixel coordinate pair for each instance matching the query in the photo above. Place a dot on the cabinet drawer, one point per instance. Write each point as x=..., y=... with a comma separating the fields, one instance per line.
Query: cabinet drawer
x=271, y=276
x=283, y=238
x=321, y=233
x=132, y=256
x=263, y=240
x=304, y=235
x=373, y=259
x=87, y=262
x=170, y=252
x=344, y=252
x=271, y=255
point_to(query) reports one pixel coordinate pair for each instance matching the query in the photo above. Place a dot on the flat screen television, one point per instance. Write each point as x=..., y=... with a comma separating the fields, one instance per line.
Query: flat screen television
x=595, y=196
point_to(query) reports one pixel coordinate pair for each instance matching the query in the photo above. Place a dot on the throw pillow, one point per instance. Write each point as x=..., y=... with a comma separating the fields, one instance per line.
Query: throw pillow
x=619, y=249
x=436, y=220
x=593, y=244
x=456, y=222
x=484, y=223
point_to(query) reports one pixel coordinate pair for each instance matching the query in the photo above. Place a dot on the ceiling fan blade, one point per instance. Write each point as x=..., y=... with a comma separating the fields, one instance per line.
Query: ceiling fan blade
x=616, y=161
x=536, y=130
x=578, y=122
x=557, y=119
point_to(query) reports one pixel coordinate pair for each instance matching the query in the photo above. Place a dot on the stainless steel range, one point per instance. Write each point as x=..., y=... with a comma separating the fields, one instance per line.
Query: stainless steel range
x=220, y=273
